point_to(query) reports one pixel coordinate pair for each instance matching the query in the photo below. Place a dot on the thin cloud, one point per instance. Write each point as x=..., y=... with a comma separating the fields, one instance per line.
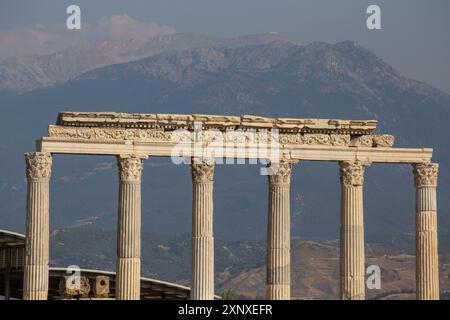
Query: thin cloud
x=42, y=40
x=102, y=166
x=123, y=27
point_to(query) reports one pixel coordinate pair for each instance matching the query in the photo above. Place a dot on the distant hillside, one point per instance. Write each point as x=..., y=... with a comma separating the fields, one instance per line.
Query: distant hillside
x=240, y=265
x=163, y=257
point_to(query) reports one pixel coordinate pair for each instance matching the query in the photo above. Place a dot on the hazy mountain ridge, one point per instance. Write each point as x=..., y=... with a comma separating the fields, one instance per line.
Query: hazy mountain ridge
x=26, y=73
x=342, y=67
x=163, y=257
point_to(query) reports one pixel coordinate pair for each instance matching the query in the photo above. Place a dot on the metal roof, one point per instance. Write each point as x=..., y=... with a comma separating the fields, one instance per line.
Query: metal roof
x=10, y=238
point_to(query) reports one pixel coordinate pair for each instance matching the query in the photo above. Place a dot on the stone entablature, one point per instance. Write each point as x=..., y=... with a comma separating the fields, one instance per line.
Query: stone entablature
x=225, y=129
x=181, y=121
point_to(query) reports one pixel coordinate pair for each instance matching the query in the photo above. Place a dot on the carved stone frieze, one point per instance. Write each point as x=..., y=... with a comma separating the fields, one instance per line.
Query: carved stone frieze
x=384, y=140
x=376, y=141
x=315, y=139
x=362, y=141
x=208, y=136
x=291, y=139
x=342, y=140
x=110, y=133
x=323, y=139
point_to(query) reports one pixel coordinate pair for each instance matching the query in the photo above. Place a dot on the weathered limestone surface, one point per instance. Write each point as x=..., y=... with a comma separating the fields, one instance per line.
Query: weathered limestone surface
x=352, y=232
x=35, y=284
x=202, y=281
x=129, y=229
x=427, y=267
x=279, y=235
x=141, y=120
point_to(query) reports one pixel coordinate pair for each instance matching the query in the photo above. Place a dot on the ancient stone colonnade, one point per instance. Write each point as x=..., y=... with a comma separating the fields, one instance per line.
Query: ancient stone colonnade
x=132, y=138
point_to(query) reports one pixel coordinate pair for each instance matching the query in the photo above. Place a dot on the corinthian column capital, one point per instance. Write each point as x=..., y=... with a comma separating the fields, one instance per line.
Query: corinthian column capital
x=39, y=165
x=130, y=168
x=281, y=172
x=425, y=174
x=351, y=173
x=202, y=172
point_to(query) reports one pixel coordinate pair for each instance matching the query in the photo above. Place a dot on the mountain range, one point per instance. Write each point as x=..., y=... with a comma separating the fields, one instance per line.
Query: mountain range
x=265, y=75
x=26, y=73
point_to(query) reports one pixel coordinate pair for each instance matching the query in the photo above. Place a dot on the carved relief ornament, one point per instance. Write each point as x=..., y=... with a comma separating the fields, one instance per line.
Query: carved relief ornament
x=351, y=173
x=130, y=168
x=281, y=173
x=39, y=165
x=202, y=172
x=426, y=174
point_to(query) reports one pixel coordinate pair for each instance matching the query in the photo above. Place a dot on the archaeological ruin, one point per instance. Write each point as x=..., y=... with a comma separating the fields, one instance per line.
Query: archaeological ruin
x=202, y=140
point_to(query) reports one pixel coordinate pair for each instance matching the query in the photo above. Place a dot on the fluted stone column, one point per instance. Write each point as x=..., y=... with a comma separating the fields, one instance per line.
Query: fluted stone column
x=202, y=281
x=352, y=270
x=35, y=278
x=427, y=267
x=278, y=234
x=129, y=229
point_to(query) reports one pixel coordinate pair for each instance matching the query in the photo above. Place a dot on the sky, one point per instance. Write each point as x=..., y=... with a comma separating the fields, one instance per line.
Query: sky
x=414, y=37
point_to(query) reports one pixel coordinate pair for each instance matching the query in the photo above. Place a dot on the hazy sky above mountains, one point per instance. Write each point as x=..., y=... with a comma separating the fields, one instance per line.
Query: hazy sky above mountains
x=414, y=36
